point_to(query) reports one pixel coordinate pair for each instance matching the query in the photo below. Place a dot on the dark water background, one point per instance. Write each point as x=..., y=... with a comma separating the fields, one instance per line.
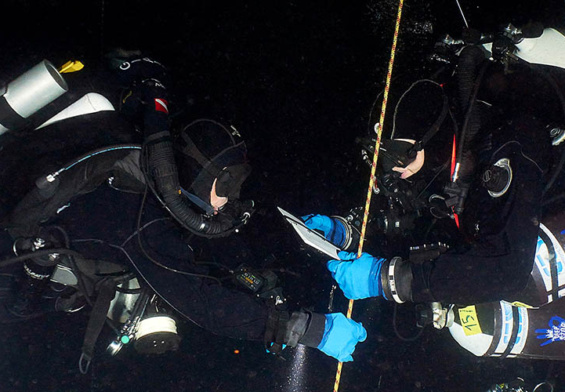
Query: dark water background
x=299, y=81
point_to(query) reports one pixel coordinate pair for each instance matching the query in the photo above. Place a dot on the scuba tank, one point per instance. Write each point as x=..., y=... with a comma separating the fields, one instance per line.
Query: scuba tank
x=498, y=329
x=145, y=321
x=531, y=324
x=28, y=93
x=35, y=90
x=534, y=45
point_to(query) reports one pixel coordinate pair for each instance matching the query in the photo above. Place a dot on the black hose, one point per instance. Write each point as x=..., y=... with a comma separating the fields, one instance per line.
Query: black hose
x=98, y=151
x=397, y=332
x=164, y=174
x=469, y=84
x=37, y=253
x=152, y=259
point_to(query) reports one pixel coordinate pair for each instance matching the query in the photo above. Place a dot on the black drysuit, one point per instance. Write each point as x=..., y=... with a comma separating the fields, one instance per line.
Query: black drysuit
x=101, y=223
x=496, y=257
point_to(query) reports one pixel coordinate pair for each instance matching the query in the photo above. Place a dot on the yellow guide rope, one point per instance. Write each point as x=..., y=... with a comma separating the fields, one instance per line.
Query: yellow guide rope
x=379, y=127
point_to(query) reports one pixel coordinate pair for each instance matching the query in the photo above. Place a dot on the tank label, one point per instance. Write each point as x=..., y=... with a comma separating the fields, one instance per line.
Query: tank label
x=469, y=320
x=555, y=332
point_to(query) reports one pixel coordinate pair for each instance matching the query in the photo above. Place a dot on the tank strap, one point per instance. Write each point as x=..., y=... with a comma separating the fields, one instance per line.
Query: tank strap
x=9, y=117
x=515, y=326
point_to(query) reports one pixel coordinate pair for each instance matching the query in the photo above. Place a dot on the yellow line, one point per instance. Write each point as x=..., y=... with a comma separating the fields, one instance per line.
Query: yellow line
x=374, y=165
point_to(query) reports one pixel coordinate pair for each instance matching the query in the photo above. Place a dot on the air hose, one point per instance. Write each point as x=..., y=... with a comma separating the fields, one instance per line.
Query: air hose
x=469, y=83
x=165, y=178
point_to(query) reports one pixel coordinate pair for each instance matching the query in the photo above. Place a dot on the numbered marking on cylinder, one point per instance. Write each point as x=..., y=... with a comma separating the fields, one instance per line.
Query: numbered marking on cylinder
x=470, y=321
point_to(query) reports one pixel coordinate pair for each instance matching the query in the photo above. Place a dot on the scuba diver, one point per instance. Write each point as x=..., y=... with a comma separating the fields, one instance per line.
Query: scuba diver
x=461, y=182
x=105, y=214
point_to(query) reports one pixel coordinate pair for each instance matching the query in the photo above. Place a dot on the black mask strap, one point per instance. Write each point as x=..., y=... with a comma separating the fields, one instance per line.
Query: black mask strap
x=204, y=206
x=419, y=145
x=192, y=151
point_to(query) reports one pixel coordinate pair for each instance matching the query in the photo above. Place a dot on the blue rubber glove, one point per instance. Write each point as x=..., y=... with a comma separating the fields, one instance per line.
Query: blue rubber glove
x=340, y=337
x=333, y=230
x=358, y=278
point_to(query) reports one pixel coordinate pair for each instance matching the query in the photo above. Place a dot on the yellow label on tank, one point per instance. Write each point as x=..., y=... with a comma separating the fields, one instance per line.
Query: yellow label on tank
x=469, y=320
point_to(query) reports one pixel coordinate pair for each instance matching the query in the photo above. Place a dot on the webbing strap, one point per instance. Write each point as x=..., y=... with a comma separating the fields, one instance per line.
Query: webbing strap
x=9, y=118
x=106, y=294
x=379, y=129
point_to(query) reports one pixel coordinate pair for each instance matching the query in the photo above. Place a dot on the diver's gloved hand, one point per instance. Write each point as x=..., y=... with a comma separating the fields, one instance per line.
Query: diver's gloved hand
x=334, y=230
x=341, y=335
x=358, y=278
x=333, y=334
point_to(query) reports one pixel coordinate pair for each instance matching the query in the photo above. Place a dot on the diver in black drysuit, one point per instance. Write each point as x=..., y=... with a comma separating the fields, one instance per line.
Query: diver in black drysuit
x=126, y=207
x=492, y=253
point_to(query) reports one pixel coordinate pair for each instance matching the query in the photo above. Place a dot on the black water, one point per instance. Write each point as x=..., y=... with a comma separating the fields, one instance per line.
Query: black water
x=299, y=81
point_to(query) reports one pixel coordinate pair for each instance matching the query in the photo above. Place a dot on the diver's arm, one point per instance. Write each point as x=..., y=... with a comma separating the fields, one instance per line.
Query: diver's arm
x=499, y=262
x=333, y=334
x=495, y=267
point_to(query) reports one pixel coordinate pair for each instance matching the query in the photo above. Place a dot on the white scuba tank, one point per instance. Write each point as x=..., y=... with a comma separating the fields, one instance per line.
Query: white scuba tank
x=28, y=93
x=547, y=49
x=37, y=88
x=89, y=103
x=532, y=325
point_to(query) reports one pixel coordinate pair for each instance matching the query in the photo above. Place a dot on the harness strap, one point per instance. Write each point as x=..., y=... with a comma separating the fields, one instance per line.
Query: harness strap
x=9, y=117
x=514, y=334
x=419, y=145
x=106, y=293
x=193, y=151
